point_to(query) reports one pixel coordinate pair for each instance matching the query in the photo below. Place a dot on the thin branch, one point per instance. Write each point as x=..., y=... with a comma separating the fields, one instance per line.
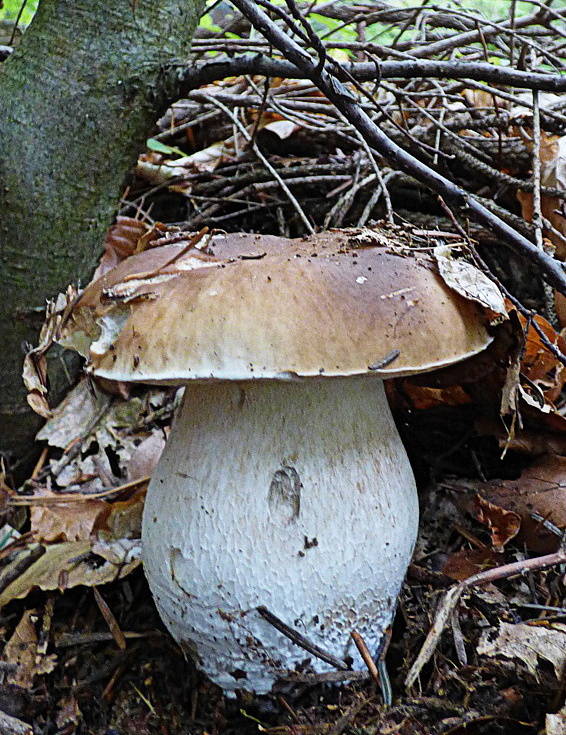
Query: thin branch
x=300, y=640
x=204, y=72
x=265, y=162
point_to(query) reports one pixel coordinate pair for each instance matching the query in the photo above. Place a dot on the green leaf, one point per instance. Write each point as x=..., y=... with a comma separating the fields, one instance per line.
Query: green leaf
x=155, y=145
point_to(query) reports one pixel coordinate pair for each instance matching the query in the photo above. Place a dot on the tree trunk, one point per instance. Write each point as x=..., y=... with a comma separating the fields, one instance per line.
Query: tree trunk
x=78, y=98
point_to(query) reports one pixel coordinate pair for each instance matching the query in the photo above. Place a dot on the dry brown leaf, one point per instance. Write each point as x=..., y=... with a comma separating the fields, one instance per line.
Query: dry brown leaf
x=205, y=160
x=481, y=98
x=503, y=524
x=146, y=455
x=34, y=375
x=65, y=521
x=121, y=241
x=463, y=564
x=423, y=397
x=75, y=416
x=70, y=564
x=22, y=651
x=553, y=174
x=540, y=492
x=122, y=519
x=529, y=644
x=538, y=363
x=13, y=726
x=470, y=282
x=34, y=371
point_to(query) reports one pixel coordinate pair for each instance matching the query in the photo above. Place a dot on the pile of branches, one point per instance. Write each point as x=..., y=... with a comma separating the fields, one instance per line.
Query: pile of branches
x=438, y=117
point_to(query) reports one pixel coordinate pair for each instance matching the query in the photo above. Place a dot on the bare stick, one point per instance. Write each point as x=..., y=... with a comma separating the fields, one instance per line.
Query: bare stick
x=265, y=162
x=366, y=656
x=204, y=72
x=300, y=640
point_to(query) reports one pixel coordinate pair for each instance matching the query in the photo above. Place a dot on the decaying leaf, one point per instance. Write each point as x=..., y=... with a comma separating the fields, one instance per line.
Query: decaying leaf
x=465, y=563
x=537, y=498
x=145, y=456
x=470, y=282
x=65, y=521
x=122, y=519
x=538, y=363
x=13, y=725
x=206, y=160
x=423, y=397
x=528, y=644
x=68, y=565
x=503, y=524
x=75, y=416
x=121, y=241
x=553, y=174
x=34, y=372
x=22, y=651
x=68, y=711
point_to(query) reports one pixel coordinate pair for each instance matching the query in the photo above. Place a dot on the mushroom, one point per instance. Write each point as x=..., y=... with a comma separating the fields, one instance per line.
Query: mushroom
x=284, y=486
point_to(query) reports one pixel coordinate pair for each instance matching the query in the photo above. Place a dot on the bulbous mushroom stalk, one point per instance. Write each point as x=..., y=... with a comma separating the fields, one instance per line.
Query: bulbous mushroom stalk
x=284, y=483
x=295, y=496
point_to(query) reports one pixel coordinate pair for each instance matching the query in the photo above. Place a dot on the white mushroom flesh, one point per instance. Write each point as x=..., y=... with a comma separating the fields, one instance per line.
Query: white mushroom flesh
x=297, y=496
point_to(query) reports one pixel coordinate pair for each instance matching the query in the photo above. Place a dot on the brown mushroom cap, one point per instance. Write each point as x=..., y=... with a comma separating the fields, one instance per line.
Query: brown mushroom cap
x=334, y=304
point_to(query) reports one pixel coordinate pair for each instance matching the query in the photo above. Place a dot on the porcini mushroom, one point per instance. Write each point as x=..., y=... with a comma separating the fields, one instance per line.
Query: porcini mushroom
x=284, y=484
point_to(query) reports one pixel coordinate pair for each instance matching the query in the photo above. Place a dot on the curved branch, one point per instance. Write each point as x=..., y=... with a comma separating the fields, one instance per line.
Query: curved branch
x=204, y=72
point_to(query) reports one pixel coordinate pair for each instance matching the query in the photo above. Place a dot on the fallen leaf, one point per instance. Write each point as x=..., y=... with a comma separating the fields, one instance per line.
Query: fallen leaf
x=120, y=242
x=65, y=521
x=470, y=282
x=75, y=416
x=536, y=497
x=68, y=711
x=528, y=644
x=467, y=562
x=556, y=724
x=145, y=456
x=205, y=160
x=423, y=397
x=122, y=519
x=34, y=371
x=22, y=651
x=503, y=524
x=67, y=565
x=553, y=174
x=14, y=726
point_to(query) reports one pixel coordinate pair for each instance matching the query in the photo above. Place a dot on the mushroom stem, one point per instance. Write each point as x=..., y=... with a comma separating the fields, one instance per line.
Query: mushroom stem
x=297, y=496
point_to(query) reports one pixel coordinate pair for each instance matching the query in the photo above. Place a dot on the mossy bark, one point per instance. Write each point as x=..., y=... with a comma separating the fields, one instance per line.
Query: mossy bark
x=78, y=98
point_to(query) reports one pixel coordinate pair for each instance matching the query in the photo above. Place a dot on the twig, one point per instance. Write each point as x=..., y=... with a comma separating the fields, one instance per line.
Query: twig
x=327, y=677
x=192, y=242
x=266, y=163
x=110, y=619
x=348, y=717
x=300, y=640
x=74, y=497
x=366, y=656
x=550, y=311
x=452, y=596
